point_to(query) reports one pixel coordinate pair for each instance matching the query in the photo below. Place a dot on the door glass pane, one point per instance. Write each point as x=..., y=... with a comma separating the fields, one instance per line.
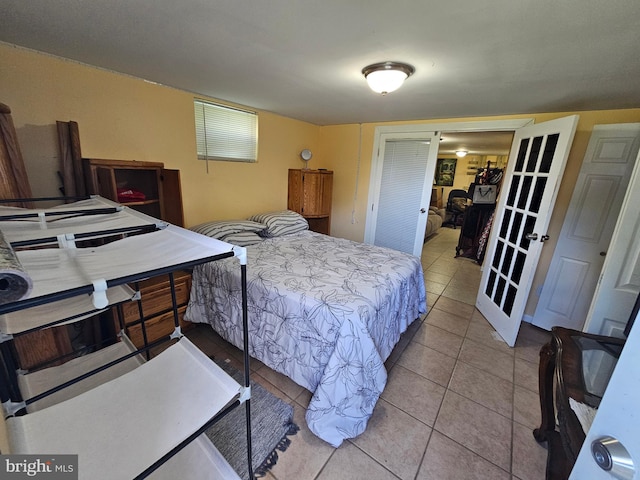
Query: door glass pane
x=524, y=193
x=515, y=228
x=522, y=154
x=504, y=228
x=538, y=191
x=498, y=255
x=506, y=263
x=549, y=151
x=517, y=268
x=497, y=299
x=536, y=145
x=508, y=302
x=513, y=190
x=490, y=283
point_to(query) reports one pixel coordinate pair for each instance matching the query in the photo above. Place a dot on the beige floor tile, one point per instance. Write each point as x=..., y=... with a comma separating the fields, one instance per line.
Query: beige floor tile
x=305, y=456
x=394, y=439
x=448, y=460
x=529, y=457
x=487, y=359
x=413, y=394
x=453, y=306
x=483, y=332
x=444, y=268
x=436, y=277
x=489, y=390
x=425, y=361
x=527, y=350
x=526, y=407
x=439, y=339
x=465, y=279
x=461, y=293
x=474, y=426
x=447, y=321
x=435, y=288
x=350, y=462
x=526, y=374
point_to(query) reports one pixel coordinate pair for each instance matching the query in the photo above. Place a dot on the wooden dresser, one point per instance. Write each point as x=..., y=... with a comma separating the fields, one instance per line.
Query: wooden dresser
x=156, y=308
x=310, y=193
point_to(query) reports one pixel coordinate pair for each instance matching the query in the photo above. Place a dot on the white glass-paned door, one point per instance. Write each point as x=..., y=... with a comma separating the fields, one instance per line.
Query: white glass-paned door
x=536, y=164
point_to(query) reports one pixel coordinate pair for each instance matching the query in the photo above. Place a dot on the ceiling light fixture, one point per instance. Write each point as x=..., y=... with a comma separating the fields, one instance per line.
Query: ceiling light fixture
x=386, y=77
x=461, y=153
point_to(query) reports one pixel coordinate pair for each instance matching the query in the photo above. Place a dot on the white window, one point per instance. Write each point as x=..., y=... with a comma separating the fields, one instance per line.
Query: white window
x=225, y=133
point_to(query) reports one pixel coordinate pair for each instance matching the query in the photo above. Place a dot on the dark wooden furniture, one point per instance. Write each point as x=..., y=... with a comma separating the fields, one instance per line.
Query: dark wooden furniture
x=160, y=186
x=574, y=365
x=475, y=219
x=156, y=303
x=310, y=194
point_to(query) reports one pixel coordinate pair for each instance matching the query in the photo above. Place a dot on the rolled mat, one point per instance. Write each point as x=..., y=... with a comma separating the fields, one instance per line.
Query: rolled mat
x=15, y=283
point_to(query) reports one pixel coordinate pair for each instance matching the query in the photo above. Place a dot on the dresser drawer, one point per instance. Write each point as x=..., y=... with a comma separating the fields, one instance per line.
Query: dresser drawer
x=156, y=296
x=157, y=327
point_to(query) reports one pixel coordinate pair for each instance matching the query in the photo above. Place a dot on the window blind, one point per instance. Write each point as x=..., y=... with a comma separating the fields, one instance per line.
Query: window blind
x=225, y=133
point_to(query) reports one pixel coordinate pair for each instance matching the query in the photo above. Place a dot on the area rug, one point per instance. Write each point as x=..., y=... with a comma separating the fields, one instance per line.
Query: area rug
x=271, y=424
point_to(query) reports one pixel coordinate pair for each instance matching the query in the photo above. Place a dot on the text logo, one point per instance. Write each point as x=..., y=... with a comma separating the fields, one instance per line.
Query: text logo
x=50, y=467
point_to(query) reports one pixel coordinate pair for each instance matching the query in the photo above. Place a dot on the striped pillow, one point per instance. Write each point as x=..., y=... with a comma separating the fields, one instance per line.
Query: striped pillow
x=281, y=223
x=243, y=239
x=221, y=228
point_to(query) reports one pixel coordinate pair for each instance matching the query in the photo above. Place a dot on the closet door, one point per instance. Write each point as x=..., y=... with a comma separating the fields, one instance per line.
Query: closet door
x=399, y=206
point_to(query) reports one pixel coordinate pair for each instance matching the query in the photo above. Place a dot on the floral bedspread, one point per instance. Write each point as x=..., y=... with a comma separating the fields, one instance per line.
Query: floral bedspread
x=324, y=311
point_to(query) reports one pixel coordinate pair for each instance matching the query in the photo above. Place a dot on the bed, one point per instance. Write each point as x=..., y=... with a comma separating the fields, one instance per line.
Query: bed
x=324, y=311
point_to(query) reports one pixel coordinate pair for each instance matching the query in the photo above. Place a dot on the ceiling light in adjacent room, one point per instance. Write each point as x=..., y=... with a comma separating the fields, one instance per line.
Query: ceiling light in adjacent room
x=461, y=153
x=386, y=77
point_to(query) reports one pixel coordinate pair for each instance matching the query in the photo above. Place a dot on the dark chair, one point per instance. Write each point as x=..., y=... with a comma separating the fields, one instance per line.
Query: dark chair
x=456, y=205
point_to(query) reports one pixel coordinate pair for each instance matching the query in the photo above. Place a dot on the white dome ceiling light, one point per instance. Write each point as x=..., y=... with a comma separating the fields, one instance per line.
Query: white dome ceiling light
x=385, y=77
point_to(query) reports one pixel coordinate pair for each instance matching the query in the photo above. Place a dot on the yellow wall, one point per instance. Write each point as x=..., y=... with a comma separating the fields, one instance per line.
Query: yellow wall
x=121, y=117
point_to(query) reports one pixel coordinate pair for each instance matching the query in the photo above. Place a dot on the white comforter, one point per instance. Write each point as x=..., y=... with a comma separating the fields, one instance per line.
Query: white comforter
x=324, y=311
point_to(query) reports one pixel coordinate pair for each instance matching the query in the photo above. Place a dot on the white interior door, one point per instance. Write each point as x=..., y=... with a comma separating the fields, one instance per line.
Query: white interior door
x=536, y=164
x=588, y=226
x=620, y=279
x=402, y=178
x=617, y=415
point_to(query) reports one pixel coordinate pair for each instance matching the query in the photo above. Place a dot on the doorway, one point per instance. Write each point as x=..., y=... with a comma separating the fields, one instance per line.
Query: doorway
x=455, y=136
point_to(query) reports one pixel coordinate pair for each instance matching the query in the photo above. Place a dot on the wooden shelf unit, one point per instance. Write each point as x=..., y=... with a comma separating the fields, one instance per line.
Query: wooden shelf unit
x=160, y=186
x=310, y=193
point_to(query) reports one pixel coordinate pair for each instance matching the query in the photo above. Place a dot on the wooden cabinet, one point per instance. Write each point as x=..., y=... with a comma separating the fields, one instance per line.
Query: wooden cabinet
x=310, y=195
x=437, y=197
x=144, y=186
x=156, y=308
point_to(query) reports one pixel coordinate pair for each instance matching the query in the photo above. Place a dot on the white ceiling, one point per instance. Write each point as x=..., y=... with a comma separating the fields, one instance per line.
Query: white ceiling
x=303, y=58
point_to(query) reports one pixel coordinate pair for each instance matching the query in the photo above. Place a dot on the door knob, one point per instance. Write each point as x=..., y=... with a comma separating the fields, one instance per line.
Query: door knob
x=422, y=210
x=531, y=236
x=611, y=456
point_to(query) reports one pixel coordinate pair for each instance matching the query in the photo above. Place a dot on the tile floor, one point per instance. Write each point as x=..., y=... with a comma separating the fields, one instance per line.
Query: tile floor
x=459, y=404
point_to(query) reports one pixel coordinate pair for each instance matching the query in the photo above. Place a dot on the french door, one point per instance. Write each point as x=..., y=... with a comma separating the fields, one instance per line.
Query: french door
x=536, y=164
